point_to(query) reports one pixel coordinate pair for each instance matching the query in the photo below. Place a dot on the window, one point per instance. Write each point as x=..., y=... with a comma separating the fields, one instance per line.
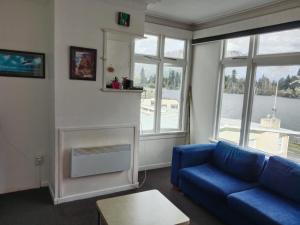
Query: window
x=237, y=47
x=171, y=97
x=232, y=103
x=163, y=79
x=174, y=48
x=276, y=110
x=147, y=45
x=279, y=42
x=145, y=75
x=259, y=100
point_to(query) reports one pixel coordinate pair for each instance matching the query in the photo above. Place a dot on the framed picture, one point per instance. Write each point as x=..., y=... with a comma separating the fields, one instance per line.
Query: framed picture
x=83, y=63
x=22, y=64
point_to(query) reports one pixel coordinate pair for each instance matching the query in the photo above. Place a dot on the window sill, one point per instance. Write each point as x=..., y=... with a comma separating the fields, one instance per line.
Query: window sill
x=267, y=154
x=212, y=140
x=120, y=90
x=166, y=135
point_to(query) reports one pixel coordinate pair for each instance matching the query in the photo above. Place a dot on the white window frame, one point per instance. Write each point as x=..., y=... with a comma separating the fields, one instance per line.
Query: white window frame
x=160, y=60
x=252, y=61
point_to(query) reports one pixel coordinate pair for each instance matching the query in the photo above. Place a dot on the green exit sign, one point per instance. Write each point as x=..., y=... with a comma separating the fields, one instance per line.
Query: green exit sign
x=123, y=19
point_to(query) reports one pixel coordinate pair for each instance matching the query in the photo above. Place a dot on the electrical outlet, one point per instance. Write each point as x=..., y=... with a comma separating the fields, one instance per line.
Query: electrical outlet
x=39, y=159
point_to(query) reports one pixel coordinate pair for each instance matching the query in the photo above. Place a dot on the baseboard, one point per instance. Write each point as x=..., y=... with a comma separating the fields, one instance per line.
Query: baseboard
x=44, y=183
x=92, y=194
x=52, y=194
x=154, y=166
x=14, y=189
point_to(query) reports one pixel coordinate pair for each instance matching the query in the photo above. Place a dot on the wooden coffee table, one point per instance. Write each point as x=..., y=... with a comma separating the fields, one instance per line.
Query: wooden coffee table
x=143, y=208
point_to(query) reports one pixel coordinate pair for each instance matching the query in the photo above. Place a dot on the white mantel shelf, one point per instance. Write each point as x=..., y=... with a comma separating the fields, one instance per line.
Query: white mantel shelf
x=120, y=90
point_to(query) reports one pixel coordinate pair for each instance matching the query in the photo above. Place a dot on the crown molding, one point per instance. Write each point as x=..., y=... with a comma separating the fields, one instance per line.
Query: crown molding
x=269, y=8
x=133, y=4
x=168, y=22
x=42, y=2
x=151, y=1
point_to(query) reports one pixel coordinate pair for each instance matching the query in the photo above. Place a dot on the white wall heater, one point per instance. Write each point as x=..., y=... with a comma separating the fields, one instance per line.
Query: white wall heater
x=100, y=160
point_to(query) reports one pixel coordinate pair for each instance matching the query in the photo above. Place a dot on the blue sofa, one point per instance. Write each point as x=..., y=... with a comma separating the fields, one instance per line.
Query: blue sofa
x=238, y=186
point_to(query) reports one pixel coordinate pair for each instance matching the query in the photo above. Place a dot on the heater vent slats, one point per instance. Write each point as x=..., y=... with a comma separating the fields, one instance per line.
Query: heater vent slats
x=100, y=160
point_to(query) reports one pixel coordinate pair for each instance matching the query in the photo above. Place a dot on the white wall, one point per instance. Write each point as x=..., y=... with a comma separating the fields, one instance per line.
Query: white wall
x=206, y=58
x=156, y=151
x=81, y=103
x=32, y=110
x=24, y=102
x=52, y=133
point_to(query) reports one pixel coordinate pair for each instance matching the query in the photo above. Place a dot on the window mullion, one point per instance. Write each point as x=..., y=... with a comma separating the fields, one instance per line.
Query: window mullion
x=251, y=91
x=248, y=97
x=278, y=59
x=159, y=86
x=235, y=61
x=182, y=98
x=180, y=62
x=220, y=91
x=184, y=88
x=157, y=100
x=132, y=61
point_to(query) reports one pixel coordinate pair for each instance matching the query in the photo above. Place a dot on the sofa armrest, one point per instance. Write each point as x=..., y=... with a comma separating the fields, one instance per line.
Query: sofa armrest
x=187, y=156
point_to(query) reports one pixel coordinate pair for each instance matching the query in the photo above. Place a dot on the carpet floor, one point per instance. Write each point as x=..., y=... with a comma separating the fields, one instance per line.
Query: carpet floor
x=34, y=207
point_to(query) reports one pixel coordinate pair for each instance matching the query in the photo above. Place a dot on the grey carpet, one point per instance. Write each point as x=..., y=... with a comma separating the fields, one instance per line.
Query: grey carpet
x=34, y=207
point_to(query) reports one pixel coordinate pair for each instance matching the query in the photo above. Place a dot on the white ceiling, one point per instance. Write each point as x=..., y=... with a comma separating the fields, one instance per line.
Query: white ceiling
x=199, y=11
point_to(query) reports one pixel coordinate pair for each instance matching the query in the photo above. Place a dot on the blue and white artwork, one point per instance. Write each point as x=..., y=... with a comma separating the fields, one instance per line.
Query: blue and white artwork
x=22, y=64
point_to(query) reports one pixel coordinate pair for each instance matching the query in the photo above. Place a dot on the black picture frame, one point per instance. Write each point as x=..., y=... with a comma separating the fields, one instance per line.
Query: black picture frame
x=83, y=63
x=23, y=64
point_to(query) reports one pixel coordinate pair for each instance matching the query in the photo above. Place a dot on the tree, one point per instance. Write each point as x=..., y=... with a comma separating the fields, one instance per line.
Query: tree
x=295, y=83
x=287, y=82
x=264, y=86
x=233, y=85
x=170, y=82
x=281, y=84
x=288, y=86
x=151, y=81
x=143, y=77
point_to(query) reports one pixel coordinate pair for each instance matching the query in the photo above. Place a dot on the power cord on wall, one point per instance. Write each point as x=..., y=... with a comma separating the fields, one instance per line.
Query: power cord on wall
x=142, y=183
x=188, y=120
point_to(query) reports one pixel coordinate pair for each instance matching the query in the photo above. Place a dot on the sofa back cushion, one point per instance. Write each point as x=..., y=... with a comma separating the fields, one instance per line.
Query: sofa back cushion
x=282, y=176
x=238, y=162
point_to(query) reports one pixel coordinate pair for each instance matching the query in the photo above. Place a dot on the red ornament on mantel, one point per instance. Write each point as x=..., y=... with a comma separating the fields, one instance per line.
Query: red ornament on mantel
x=115, y=84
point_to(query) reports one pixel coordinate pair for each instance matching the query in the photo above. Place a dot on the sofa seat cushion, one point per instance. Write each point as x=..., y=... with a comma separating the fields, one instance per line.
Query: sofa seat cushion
x=237, y=161
x=282, y=176
x=214, y=181
x=264, y=207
